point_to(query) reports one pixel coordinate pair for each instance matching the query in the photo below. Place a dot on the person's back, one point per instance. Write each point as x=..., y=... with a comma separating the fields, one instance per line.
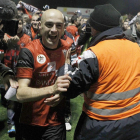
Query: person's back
x=109, y=75
x=117, y=82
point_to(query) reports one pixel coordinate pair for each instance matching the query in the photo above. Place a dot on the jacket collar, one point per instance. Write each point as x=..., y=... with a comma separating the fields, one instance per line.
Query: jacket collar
x=113, y=33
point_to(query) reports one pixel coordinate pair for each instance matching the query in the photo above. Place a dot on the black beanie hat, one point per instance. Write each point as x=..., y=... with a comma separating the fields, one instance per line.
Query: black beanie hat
x=8, y=9
x=104, y=17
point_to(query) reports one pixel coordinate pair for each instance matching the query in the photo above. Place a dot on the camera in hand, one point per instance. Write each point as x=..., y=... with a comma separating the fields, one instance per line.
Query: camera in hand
x=10, y=27
x=88, y=28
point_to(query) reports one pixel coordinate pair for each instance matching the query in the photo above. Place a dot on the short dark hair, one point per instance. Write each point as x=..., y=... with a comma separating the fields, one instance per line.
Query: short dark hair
x=74, y=18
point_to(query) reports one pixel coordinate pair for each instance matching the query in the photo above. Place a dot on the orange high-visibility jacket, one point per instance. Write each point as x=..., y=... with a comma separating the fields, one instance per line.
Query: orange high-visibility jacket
x=116, y=94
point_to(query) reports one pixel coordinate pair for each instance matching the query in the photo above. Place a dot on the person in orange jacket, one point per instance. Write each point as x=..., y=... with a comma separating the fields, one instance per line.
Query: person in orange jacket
x=109, y=75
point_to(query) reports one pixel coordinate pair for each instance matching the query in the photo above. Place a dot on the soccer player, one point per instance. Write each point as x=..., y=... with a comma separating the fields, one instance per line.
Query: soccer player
x=37, y=70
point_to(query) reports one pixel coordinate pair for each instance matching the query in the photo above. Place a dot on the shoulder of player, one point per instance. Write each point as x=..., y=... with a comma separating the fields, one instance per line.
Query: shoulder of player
x=33, y=45
x=65, y=44
x=26, y=36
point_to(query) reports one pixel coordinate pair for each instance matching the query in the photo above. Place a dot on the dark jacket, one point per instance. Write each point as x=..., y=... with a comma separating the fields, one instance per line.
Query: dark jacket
x=5, y=70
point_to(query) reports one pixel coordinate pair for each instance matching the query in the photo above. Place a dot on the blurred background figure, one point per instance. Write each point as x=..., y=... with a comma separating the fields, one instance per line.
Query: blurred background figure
x=134, y=31
x=46, y=7
x=8, y=25
x=125, y=25
x=26, y=19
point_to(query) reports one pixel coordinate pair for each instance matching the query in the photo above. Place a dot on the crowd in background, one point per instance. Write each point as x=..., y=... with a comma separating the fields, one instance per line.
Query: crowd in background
x=77, y=33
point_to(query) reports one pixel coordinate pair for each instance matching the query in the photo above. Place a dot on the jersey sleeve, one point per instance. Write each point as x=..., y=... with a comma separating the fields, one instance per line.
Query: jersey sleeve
x=25, y=64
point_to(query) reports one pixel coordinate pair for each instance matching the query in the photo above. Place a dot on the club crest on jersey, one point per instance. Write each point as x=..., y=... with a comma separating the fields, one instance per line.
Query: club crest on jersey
x=41, y=59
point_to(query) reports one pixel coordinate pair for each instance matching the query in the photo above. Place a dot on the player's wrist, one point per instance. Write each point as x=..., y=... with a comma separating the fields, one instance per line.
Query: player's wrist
x=52, y=90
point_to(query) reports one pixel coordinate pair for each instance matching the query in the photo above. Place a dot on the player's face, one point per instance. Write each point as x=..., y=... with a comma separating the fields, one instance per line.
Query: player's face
x=52, y=27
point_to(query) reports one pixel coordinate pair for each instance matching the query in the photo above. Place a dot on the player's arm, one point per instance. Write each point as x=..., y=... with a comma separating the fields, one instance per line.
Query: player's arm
x=27, y=94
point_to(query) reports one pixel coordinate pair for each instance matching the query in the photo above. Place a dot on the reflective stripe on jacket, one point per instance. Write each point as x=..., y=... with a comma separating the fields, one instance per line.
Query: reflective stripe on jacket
x=116, y=94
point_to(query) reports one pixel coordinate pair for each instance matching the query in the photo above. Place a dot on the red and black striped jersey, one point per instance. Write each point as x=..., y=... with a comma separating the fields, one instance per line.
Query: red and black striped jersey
x=24, y=40
x=41, y=65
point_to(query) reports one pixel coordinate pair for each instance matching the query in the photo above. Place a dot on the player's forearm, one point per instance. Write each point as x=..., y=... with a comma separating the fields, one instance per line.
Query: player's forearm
x=28, y=94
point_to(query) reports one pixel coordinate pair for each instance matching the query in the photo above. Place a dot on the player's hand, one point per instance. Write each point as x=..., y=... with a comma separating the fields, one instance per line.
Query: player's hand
x=61, y=84
x=54, y=101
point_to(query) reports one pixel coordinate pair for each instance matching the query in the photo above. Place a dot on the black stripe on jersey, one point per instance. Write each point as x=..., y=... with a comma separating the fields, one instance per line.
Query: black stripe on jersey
x=25, y=59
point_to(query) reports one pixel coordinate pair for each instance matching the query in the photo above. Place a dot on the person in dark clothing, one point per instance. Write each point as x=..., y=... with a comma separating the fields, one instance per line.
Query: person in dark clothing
x=85, y=37
x=75, y=20
x=7, y=12
x=85, y=34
